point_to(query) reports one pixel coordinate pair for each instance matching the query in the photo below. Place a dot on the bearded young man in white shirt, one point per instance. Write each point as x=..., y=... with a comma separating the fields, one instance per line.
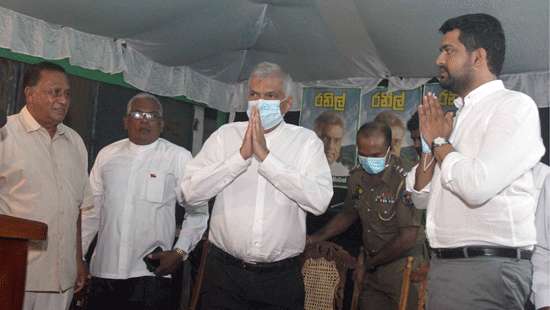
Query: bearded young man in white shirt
x=480, y=193
x=135, y=186
x=266, y=175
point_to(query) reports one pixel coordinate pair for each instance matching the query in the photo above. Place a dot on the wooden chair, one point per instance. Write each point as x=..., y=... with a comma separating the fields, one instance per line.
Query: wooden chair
x=324, y=268
x=414, y=276
x=195, y=293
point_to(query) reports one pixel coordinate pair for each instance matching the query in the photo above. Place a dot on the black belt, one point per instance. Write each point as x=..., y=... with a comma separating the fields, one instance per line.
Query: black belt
x=475, y=251
x=284, y=264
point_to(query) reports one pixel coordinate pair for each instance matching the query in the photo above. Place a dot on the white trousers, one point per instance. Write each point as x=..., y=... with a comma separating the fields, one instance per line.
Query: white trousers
x=48, y=300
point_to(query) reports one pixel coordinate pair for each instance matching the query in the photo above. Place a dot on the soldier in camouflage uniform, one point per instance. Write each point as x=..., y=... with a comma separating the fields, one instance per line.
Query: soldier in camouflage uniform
x=390, y=226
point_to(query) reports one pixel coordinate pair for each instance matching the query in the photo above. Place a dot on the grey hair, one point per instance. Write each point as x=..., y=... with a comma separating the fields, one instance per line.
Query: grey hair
x=267, y=69
x=143, y=96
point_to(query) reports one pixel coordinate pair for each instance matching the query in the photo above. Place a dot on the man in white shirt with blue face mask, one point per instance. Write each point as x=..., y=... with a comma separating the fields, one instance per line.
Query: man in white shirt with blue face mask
x=266, y=175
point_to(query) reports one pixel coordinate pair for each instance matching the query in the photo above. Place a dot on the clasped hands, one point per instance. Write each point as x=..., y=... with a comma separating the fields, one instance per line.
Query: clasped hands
x=254, y=139
x=433, y=121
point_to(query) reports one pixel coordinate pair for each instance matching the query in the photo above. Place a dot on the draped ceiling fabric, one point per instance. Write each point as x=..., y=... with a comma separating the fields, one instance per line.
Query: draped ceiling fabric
x=204, y=50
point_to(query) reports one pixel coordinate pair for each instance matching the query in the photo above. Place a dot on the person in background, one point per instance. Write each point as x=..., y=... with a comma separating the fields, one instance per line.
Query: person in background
x=410, y=155
x=390, y=226
x=135, y=184
x=266, y=175
x=44, y=177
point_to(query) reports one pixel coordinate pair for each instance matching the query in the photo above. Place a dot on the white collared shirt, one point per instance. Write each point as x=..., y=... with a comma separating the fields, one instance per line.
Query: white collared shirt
x=45, y=179
x=260, y=209
x=135, y=190
x=483, y=193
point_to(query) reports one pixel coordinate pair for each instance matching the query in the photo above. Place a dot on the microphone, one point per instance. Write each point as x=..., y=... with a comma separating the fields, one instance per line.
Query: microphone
x=3, y=118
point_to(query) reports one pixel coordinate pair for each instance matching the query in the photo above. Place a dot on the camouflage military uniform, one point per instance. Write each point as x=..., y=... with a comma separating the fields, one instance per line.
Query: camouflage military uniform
x=382, y=210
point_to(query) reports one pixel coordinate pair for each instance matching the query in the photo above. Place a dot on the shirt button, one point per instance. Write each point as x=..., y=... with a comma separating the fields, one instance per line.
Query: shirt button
x=368, y=230
x=368, y=210
x=256, y=243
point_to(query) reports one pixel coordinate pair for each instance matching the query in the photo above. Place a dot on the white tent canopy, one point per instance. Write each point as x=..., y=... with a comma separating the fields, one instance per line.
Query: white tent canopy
x=204, y=50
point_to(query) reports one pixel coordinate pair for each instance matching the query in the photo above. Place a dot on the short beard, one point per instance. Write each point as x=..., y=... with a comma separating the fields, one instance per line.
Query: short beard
x=457, y=85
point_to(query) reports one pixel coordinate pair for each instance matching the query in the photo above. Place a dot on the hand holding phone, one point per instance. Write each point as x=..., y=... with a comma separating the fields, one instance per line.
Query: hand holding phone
x=152, y=264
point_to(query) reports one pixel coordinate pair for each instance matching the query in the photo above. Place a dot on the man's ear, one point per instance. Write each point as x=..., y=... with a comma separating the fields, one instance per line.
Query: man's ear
x=27, y=92
x=125, y=122
x=285, y=105
x=480, y=58
x=161, y=125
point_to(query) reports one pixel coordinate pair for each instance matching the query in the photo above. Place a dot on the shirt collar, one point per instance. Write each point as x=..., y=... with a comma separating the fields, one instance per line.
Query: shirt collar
x=141, y=148
x=479, y=93
x=30, y=123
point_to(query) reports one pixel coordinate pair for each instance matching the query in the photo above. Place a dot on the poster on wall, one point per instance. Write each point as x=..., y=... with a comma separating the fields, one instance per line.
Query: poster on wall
x=394, y=108
x=445, y=97
x=401, y=103
x=332, y=114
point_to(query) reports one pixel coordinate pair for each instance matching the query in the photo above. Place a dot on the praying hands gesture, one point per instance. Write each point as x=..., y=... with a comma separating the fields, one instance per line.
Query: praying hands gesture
x=254, y=139
x=433, y=123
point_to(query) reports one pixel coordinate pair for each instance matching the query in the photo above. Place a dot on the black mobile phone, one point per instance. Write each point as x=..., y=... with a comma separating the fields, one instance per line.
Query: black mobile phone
x=152, y=264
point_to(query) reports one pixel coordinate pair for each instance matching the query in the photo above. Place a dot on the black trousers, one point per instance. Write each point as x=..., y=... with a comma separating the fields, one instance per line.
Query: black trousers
x=142, y=293
x=230, y=284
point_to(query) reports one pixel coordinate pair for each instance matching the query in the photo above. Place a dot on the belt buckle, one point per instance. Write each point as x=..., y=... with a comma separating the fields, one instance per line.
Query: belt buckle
x=518, y=253
x=247, y=266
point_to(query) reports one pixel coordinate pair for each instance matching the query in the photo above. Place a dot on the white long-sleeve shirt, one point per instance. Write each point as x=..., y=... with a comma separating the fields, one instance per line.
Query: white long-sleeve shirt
x=541, y=255
x=260, y=209
x=135, y=190
x=483, y=193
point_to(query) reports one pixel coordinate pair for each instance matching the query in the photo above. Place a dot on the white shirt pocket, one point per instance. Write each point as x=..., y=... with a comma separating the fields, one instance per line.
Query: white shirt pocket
x=155, y=187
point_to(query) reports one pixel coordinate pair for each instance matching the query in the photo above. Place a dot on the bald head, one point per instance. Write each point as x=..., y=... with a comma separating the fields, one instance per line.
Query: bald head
x=373, y=139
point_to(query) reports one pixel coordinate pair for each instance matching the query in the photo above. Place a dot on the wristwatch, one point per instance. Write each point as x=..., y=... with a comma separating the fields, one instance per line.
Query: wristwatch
x=439, y=141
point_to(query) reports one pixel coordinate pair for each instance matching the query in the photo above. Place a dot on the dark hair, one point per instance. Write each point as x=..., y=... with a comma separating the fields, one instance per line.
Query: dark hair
x=480, y=31
x=375, y=128
x=412, y=123
x=32, y=74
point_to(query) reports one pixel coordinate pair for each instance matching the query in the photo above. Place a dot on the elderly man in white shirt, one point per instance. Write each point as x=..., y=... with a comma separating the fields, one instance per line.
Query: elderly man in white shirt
x=266, y=175
x=135, y=186
x=480, y=193
x=44, y=177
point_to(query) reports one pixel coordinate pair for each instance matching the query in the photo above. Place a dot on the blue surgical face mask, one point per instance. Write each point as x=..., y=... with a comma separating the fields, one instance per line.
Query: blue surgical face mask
x=373, y=165
x=270, y=112
x=425, y=147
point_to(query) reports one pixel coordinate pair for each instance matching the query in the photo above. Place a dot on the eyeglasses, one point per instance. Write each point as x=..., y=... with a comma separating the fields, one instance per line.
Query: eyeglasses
x=148, y=116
